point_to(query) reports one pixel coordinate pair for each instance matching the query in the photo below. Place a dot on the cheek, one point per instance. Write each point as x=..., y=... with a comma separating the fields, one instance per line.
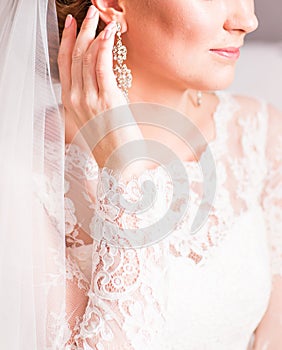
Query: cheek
x=178, y=26
x=178, y=34
x=196, y=28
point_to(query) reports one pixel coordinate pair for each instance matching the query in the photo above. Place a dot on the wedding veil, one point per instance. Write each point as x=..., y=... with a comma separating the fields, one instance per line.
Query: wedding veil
x=32, y=241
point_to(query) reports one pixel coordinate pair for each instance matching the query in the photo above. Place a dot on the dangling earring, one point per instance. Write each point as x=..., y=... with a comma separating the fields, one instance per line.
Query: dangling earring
x=199, y=98
x=122, y=72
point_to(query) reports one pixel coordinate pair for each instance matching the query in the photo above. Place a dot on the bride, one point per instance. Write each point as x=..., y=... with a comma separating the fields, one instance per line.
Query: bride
x=139, y=86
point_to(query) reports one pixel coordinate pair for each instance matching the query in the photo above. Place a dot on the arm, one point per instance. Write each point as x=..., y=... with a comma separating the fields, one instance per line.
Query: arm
x=123, y=304
x=268, y=335
x=126, y=289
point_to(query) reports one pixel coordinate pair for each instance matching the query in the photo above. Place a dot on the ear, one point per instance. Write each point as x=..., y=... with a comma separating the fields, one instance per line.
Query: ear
x=111, y=10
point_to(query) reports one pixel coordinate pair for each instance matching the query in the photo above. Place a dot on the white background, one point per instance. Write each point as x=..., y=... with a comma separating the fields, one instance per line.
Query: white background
x=259, y=69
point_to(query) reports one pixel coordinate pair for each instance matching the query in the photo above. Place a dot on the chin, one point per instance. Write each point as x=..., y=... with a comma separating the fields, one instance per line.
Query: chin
x=218, y=82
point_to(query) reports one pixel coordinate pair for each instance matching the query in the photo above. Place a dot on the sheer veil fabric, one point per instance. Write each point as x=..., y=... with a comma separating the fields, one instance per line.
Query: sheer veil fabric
x=32, y=240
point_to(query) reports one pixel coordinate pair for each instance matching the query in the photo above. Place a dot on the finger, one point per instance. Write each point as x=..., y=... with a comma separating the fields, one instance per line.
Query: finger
x=104, y=65
x=90, y=85
x=90, y=62
x=85, y=37
x=89, y=66
x=65, y=54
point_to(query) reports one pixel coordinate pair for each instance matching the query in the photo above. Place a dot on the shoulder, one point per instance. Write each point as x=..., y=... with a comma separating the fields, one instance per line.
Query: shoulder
x=259, y=118
x=270, y=120
x=256, y=104
x=274, y=121
x=250, y=105
x=274, y=134
x=244, y=111
x=247, y=104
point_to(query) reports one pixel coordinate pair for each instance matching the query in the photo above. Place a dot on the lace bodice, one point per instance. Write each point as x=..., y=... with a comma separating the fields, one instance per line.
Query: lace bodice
x=207, y=290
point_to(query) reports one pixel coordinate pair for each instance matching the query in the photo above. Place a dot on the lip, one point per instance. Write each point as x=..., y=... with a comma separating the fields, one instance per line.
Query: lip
x=232, y=53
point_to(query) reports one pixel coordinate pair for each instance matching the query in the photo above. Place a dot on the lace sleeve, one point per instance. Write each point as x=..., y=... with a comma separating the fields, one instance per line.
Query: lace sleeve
x=272, y=192
x=127, y=292
x=78, y=240
x=77, y=286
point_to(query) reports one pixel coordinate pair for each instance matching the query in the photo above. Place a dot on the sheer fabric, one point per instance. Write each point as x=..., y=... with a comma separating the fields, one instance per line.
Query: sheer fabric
x=204, y=291
x=32, y=236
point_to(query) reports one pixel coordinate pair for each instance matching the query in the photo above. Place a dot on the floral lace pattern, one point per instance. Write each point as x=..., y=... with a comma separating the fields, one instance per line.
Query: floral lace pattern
x=272, y=194
x=141, y=297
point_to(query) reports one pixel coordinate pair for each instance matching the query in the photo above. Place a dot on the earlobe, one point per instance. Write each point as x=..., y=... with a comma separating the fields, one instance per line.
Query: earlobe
x=110, y=10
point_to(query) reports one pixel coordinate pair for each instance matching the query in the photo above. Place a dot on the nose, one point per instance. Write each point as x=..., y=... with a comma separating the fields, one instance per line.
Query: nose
x=242, y=17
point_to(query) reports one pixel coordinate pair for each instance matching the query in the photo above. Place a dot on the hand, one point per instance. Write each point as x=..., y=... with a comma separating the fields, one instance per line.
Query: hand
x=89, y=84
x=86, y=70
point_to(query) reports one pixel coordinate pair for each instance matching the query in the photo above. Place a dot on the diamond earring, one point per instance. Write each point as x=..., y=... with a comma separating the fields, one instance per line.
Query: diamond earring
x=122, y=72
x=199, y=98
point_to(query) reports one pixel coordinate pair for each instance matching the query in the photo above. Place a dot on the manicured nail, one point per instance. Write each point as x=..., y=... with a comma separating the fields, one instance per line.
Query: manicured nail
x=107, y=34
x=91, y=12
x=110, y=29
x=68, y=21
x=112, y=25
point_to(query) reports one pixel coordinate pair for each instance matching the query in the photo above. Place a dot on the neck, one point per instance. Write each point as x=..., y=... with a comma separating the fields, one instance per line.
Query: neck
x=152, y=88
x=155, y=89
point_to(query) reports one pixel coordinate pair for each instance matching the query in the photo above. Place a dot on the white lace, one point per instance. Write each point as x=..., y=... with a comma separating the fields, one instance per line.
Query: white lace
x=202, y=291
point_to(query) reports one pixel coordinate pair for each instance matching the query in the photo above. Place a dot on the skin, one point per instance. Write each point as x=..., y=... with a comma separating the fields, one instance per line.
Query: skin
x=176, y=41
x=189, y=29
x=170, y=60
x=268, y=332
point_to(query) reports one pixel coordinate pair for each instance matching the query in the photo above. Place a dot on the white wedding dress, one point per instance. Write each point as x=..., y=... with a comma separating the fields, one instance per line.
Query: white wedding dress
x=206, y=291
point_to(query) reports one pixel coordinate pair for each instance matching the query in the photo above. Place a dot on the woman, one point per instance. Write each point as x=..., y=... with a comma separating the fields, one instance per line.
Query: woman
x=209, y=290
x=156, y=56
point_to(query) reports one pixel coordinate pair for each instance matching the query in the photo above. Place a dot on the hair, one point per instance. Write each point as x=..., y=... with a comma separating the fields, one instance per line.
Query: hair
x=78, y=9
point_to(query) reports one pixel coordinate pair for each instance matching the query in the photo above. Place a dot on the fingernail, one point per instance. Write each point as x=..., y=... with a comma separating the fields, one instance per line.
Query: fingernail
x=112, y=25
x=68, y=21
x=109, y=30
x=107, y=34
x=91, y=12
